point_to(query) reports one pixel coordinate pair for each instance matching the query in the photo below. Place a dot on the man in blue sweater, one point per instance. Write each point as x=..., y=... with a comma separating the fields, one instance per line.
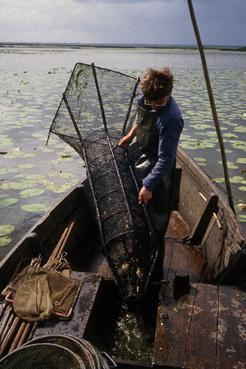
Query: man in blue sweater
x=158, y=127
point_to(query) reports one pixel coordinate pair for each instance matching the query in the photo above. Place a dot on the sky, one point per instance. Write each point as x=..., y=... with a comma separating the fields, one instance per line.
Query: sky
x=221, y=22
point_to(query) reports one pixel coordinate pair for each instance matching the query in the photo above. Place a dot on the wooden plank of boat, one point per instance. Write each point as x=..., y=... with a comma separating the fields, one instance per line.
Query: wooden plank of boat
x=222, y=241
x=204, y=326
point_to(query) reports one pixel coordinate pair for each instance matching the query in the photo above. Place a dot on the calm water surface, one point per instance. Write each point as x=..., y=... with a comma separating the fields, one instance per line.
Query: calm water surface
x=33, y=177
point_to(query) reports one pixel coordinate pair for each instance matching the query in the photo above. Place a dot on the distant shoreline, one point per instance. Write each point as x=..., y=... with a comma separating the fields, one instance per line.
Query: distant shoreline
x=117, y=46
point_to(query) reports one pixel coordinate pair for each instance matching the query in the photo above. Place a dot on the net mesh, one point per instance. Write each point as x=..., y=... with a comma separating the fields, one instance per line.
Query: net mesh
x=42, y=356
x=97, y=108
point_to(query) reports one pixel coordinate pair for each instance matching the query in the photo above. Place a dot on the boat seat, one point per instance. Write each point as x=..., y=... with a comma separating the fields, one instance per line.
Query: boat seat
x=183, y=261
x=180, y=259
x=78, y=322
x=210, y=208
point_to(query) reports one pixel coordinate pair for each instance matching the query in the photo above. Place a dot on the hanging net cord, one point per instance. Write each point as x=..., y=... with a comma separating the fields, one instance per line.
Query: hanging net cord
x=94, y=113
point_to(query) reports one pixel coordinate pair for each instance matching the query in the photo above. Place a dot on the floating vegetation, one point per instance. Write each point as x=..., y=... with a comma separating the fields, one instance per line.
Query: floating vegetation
x=14, y=185
x=230, y=165
x=242, y=217
x=200, y=126
x=31, y=192
x=58, y=188
x=35, y=208
x=241, y=129
x=9, y=201
x=218, y=180
x=5, y=231
x=26, y=166
x=241, y=160
x=238, y=180
x=239, y=145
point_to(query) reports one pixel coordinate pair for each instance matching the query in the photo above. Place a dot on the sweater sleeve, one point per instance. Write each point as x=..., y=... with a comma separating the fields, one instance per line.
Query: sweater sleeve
x=168, y=142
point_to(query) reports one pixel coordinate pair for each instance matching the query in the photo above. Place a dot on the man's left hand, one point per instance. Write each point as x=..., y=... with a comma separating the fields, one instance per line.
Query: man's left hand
x=144, y=196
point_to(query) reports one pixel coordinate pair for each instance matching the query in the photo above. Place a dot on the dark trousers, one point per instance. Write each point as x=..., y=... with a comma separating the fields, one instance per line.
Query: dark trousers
x=160, y=206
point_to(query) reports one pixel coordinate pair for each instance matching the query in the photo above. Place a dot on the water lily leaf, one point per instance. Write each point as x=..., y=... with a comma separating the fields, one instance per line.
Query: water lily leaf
x=14, y=186
x=241, y=160
x=241, y=129
x=9, y=201
x=200, y=159
x=5, y=240
x=19, y=154
x=230, y=135
x=8, y=170
x=26, y=166
x=35, y=208
x=31, y=192
x=238, y=179
x=6, y=229
x=239, y=145
x=219, y=180
x=230, y=165
x=66, y=175
x=200, y=126
x=58, y=188
x=242, y=218
x=242, y=188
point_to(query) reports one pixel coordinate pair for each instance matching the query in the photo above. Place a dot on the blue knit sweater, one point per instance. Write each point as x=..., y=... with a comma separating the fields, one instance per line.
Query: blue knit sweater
x=169, y=125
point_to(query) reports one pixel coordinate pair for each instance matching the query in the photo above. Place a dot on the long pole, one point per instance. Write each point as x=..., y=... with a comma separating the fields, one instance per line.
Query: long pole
x=212, y=104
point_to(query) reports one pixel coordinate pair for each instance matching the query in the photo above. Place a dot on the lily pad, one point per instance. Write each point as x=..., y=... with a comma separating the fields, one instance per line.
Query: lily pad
x=14, y=186
x=9, y=201
x=238, y=179
x=240, y=129
x=200, y=159
x=241, y=160
x=26, y=166
x=35, y=177
x=219, y=180
x=6, y=229
x=230, y=165
x=242, y=218
x=35, y=208
x=58, y=188
x=242, y=188
x=31, y=192
x=5, y=240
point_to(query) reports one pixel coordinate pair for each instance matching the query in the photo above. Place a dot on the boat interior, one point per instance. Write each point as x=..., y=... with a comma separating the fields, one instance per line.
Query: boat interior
x=195, y=309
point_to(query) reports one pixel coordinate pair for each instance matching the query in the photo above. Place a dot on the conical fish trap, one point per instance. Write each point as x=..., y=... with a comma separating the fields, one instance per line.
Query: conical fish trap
x=95, y=111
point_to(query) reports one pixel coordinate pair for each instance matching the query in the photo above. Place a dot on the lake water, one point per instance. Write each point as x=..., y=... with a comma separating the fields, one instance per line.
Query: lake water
x=33, y=177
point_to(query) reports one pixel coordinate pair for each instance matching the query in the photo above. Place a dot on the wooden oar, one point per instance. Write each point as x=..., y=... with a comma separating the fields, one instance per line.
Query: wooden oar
x=9, y=336
x=62, y=241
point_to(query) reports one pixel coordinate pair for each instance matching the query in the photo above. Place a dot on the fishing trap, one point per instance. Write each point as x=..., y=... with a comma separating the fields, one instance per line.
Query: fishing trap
x=96, y=110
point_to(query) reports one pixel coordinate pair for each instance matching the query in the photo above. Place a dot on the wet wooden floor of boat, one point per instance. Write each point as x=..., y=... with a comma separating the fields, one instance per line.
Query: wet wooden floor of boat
x=203, y=326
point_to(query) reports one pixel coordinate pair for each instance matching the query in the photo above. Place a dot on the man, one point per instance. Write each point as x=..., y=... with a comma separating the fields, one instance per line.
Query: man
x=158, y=127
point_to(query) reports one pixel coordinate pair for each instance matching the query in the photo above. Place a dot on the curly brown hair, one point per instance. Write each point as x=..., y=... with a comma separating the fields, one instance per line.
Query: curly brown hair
x=157, y=83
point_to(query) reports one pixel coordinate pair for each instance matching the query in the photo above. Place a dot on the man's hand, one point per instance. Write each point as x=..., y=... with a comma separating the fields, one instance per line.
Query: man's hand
x=125, y=141
x=144, y=196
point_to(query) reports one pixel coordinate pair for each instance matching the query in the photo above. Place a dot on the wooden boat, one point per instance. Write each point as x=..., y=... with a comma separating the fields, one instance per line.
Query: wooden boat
x=199, y=308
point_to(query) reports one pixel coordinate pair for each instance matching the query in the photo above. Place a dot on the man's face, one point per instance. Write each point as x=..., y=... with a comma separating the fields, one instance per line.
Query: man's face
x=157, y=104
